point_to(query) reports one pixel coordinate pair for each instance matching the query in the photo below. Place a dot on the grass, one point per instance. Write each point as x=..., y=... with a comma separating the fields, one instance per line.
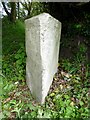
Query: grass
x=68, y=95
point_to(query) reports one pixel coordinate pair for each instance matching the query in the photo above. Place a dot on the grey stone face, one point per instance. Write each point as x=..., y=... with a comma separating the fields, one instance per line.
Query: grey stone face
x=42, y=48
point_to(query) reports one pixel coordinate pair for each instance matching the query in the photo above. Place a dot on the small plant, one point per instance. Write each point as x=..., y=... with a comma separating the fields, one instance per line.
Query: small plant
x=14, y=65
x=17, y=107
x=20, y=63
x=81, y=54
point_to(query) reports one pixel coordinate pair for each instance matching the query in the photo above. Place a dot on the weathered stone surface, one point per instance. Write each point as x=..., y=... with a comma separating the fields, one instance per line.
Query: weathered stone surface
x=42, y=48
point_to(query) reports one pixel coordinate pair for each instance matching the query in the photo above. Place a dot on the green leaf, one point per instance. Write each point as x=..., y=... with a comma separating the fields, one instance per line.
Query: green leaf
x=31, y=107
x=81, y=103
x=52, y=94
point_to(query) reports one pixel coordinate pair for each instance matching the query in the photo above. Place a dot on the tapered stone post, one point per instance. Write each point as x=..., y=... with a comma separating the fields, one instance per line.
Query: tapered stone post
x=42, y=48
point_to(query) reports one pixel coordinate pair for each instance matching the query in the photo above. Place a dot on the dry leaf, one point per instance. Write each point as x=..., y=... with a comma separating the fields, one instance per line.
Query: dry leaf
x=66, y=74
x=7, y=100
x=61, y=87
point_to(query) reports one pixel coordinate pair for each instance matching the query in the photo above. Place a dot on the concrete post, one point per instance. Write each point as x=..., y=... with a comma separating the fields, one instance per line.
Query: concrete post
x=42, y=48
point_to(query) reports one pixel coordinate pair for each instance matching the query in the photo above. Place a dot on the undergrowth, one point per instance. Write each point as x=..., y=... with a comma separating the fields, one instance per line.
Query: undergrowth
x=68, y=95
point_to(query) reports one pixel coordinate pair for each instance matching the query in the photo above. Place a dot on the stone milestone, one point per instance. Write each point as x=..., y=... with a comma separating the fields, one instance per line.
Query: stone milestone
x=42, y=48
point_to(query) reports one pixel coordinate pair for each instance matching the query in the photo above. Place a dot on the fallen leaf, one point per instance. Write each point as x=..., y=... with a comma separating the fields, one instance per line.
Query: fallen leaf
x=7, y=100
x=66, y=74
x=61, y=87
